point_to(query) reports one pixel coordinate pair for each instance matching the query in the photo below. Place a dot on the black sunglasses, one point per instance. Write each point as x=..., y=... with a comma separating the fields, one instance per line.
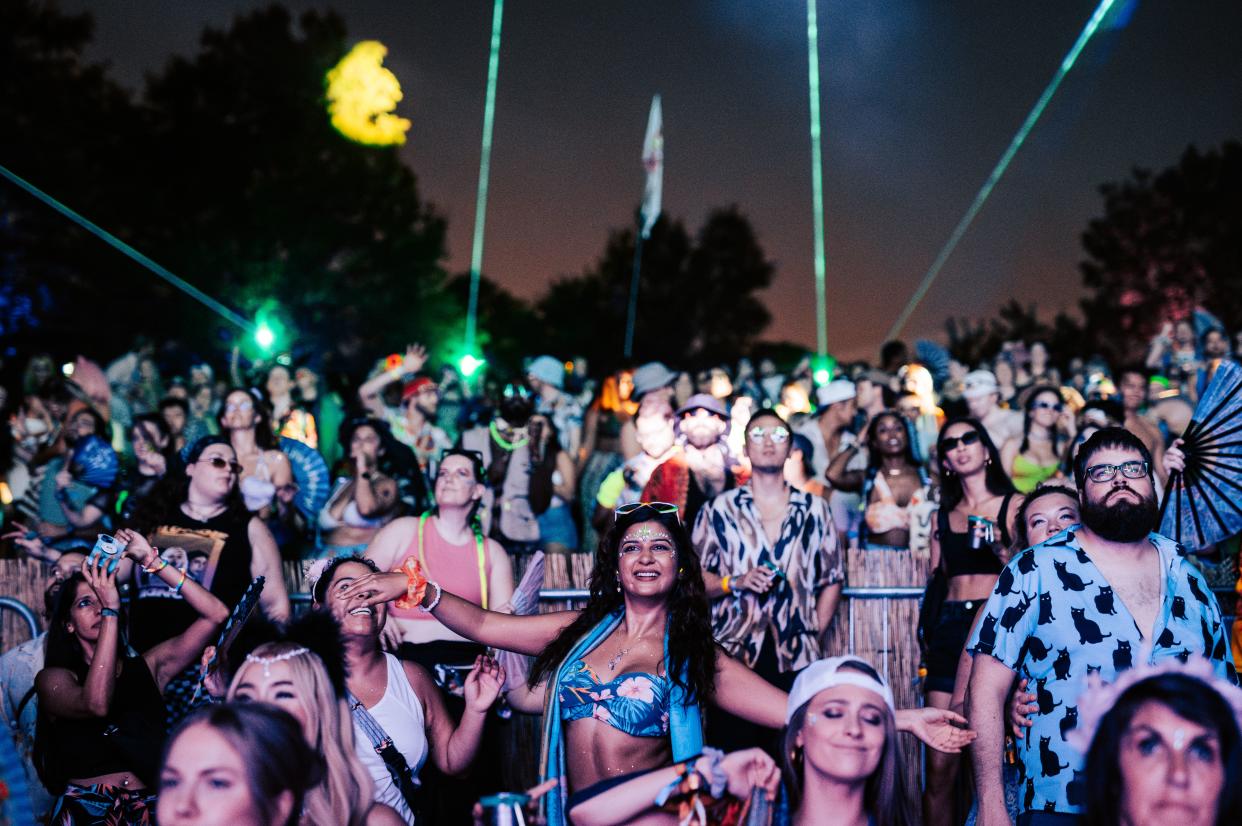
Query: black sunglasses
x=968, y=438
x=220, y=463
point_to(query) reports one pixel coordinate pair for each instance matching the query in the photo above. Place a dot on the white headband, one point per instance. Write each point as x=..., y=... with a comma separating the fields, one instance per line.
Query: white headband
x=827, y=673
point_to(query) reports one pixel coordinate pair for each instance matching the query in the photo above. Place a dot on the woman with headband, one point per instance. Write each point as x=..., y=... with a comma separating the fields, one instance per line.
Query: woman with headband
x=623, y=679
x=295, y=678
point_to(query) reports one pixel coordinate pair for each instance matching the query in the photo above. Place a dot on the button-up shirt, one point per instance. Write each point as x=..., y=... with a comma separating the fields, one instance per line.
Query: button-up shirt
x=1053, y=618
x=729, y=536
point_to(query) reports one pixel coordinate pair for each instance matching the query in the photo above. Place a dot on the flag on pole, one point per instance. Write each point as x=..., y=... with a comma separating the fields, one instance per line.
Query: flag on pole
x=653, y=162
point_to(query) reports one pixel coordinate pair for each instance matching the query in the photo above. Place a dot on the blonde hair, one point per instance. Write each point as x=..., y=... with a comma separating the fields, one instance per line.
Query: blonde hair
x=346, y=794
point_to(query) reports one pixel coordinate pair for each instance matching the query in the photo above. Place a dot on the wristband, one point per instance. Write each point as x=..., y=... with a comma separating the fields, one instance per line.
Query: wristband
x=151, y=567
x=684, y=771
x=109, y=612
x=177, y=588
x=724, y=585
x=415, y=587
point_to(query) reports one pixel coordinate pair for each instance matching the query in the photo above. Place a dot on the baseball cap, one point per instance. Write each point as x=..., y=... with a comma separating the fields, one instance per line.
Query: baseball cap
x=652, y=376
x=704, y=401
x=548, y=370
x=837, y=390
x=828, y=673
x=979, y=383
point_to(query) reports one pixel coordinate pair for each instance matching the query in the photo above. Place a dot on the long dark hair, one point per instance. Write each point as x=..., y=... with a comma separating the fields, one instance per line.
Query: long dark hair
x=1026, y=419
x=143, y=423
x=691, y=648
x=1187, y=697
x=174, y=487
x=884, y=797
x=997, y=480
x=395, y=460
x=264, y=434
x=259, y=732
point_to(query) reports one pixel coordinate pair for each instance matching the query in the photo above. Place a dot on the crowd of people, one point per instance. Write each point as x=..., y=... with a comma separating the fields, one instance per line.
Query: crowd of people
x=1072, y=664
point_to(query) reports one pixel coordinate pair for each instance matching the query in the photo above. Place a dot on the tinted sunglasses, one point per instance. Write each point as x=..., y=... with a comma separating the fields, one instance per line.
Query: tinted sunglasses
x=778, y=434
x=658, y=507
x=968, y=438
x=220, y=463
x=1057, y=406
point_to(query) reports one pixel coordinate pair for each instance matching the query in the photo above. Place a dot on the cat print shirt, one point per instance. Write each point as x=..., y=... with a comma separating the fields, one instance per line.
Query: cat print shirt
x=1053, y=619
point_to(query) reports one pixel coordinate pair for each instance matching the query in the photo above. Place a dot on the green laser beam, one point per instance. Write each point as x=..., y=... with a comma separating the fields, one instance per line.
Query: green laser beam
x=1014, y=145
x=485, y=164
x=99, y=232
x=817, y=182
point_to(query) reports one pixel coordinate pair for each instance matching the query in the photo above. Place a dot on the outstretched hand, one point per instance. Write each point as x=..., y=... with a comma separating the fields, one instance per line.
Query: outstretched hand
x=415, y=358
x=30, y=542
x=483, y=684
x=943, y=730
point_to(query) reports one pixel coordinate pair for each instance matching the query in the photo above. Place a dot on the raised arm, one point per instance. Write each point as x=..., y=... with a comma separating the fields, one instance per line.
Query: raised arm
x=454, y=746
x=744, y=693
x=59, y=690
x=839, y=477
x=523, y=634
x=171, y=657
x=369, y=392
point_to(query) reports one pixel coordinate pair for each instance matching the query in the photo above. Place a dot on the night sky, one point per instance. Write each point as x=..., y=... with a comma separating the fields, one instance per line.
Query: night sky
x=920, y=99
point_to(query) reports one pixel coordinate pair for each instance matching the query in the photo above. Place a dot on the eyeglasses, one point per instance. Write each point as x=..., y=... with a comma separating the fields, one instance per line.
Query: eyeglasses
x=1131, y=470
x=1057, y=406
x=233, y=407
x=220, y=463
x=775, y=433
x=968, y=438
x=658, y=507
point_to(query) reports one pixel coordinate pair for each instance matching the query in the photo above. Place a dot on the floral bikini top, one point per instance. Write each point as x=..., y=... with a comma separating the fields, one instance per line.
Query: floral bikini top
x=635, y=703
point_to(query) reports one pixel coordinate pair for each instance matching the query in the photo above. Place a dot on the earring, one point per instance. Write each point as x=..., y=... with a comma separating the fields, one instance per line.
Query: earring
x=989, y=461
x=681, y=571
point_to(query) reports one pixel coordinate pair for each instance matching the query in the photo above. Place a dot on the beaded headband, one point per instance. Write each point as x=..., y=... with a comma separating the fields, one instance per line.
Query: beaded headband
x=266, y=662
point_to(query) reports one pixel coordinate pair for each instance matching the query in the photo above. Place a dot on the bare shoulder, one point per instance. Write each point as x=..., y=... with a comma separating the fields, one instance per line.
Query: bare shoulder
x=381, y=815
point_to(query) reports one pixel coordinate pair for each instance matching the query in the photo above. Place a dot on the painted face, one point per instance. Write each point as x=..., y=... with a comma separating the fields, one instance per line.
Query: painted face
x=965, y=456
x=455, y=482
x=355, y=618
x=203, y=783
x=843, y=737
x=1171, y=770
x=1048, y=516
x=647, y=564
x=271, y=683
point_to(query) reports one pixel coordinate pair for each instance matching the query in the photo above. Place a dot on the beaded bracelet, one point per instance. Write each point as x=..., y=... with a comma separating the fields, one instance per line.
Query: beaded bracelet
x=434, y=602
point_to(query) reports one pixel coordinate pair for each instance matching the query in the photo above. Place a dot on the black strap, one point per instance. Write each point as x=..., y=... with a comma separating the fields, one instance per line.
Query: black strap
x=1003, y=518
x=381, y=741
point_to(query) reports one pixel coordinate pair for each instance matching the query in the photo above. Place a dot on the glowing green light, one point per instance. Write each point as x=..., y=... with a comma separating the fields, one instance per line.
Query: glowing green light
x=822, y=376
x=264, y=337
x=817, y=182
x=469, y=364
x=1014, y=145
x=824, y=367
x=485, y=164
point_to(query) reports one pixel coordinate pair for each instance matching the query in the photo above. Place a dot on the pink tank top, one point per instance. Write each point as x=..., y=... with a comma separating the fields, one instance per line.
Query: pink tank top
x=455, y=567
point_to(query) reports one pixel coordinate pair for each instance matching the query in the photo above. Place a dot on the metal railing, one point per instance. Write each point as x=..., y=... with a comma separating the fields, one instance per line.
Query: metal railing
x=22, y=610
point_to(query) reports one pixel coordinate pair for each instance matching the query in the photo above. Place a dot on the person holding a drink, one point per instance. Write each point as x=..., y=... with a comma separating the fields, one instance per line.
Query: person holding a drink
x=969, y=548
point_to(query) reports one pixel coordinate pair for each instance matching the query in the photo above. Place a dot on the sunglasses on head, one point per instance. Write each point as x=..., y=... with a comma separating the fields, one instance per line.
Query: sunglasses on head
x=968, y=438
x=658, y=507
x=220, y=463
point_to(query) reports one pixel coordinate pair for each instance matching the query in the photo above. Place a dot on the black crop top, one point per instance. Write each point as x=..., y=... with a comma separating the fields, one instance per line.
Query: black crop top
x=128, y=738
x=956, y=555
